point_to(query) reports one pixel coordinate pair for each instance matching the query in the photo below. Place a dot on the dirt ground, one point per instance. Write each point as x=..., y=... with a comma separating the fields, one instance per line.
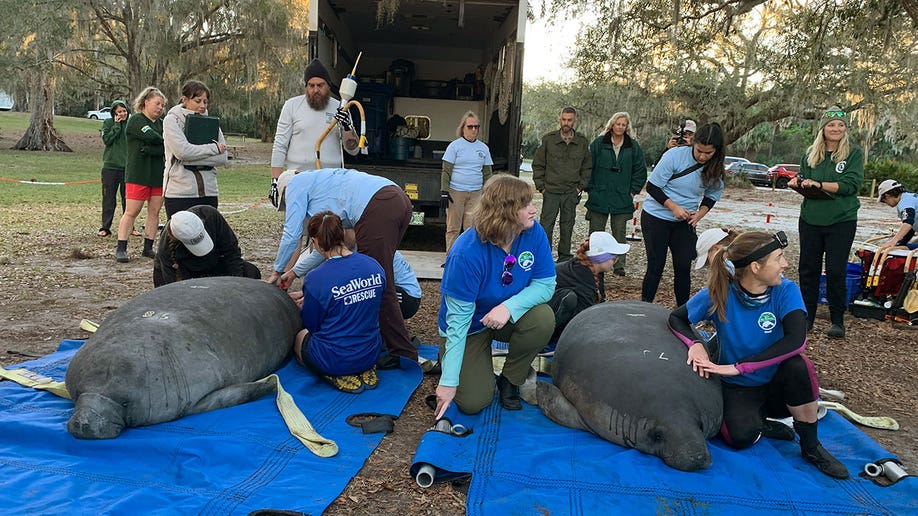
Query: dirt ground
x=54, y=272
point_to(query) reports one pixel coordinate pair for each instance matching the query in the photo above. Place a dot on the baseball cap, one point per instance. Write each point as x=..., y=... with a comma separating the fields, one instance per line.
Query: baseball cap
x=604, y=247
x=886, y=186
x=690, y=126
x=189, y=229
x=282, y=181
x=704, y=244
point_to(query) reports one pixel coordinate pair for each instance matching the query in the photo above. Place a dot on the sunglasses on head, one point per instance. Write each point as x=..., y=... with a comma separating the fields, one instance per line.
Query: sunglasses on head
x=835, y=114
x=506, y=277
x=476, y=126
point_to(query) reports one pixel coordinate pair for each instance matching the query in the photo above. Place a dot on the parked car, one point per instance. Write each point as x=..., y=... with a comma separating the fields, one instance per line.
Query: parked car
x=100, y=114
x=756, y=172
x=781, y=174
x=729, y=161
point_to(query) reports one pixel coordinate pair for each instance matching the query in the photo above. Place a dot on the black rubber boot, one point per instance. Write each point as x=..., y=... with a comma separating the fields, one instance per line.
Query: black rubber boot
x=777, y=430
x=813, y=451
x=121, y=252
x=148, y=248
x=509, y=394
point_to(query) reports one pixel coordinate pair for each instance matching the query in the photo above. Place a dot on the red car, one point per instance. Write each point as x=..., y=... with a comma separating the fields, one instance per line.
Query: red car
x=780, y=175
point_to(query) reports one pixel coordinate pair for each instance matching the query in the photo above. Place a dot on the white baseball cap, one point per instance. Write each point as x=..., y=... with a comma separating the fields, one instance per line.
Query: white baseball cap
x=603, y=246
x=690, y=126
x=189, y=229
x=886, y=186
x=704, y=244
x=282, y=181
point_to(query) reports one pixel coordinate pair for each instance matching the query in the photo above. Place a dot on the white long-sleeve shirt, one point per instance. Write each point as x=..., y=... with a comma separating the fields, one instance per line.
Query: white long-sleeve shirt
x=298, y=128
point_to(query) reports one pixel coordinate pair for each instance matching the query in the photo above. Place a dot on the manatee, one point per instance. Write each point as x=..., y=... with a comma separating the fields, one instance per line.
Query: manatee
x=181, y=349
x=620, y=373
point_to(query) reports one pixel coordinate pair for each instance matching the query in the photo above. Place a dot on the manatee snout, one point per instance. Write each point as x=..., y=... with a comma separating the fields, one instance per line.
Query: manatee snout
x=96, y=417
x=687, y=455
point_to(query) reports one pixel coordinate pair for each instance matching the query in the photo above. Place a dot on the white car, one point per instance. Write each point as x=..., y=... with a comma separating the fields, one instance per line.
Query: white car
x=101, y=114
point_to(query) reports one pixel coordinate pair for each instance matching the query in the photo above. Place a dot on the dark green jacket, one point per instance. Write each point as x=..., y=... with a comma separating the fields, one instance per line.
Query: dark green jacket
x=849, y=174
x=145, y=161
x=114, y=136
x=561, y=167
x=615, y=180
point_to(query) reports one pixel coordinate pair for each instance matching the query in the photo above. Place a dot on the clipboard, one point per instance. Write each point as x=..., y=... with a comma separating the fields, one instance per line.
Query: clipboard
x=201, y=129
x=813, y=193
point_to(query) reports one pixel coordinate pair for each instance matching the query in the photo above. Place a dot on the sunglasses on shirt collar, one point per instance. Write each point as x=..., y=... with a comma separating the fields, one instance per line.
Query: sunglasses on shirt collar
x=506, y=277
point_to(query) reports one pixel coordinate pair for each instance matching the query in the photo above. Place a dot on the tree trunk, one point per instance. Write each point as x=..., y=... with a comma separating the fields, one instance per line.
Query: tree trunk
x=41, y=135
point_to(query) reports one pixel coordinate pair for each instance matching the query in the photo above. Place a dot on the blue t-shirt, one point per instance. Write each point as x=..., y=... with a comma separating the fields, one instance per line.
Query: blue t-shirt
x=467, y=158
x=686, y=191
x=748, y=331
x=404, y=276
x=474, y=268
x=341, y=300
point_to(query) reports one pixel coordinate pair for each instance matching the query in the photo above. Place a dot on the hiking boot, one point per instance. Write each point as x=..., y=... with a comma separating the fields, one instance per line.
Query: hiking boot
x=121, y=256
x=836, y=331
x=776, y=430
x=509, y=394
x=349, y=383
x=149, y=253
x=369, y=378
x=825, y=462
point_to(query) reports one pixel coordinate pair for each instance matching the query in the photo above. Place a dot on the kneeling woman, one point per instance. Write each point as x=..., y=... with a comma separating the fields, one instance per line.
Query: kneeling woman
x=199, y=243
x=761, y=329
x=340, y=310
x=499, y=274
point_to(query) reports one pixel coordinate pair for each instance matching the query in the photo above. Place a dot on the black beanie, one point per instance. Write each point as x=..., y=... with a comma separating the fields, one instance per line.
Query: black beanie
x=316, y=69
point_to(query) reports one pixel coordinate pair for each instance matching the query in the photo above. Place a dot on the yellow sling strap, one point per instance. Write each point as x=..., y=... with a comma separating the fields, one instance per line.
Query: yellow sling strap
x=32, y=380
x=297, y=423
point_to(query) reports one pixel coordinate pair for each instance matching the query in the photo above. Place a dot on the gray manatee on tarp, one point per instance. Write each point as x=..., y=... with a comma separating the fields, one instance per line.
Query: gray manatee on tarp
x=180, y=349
x=620, y=373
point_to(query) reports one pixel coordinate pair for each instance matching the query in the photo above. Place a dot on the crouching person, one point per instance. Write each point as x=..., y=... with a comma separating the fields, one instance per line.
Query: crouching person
x=339, y=306
x=497, y=280
x=199, y=243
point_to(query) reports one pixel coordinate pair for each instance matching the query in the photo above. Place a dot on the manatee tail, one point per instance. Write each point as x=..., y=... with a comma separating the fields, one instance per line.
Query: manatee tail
x=557, y=408
x=96, y=417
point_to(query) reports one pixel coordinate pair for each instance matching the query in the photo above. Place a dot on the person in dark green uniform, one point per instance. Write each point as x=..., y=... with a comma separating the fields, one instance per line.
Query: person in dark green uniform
x=828, y=222
x=113, y=159
x=619, y=173
x=143, y=172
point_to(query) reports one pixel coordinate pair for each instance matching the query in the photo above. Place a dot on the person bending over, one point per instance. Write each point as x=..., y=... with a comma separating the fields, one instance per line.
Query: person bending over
x=761, y=329
x=892, y=193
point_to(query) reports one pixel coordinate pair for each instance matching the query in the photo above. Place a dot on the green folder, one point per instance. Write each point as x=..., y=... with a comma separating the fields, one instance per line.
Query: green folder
x=201, y=129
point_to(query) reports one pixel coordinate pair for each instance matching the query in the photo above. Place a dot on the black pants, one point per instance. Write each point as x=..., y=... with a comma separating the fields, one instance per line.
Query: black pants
x=745, y=408
x=833, y=242
x=679, y=237
x=174, y=205
x=112, y=183
x=409, y=305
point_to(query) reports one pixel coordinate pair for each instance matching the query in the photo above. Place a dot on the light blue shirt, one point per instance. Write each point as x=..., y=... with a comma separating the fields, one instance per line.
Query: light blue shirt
x=467, y=158
x=686, y=191
x=344, y=192
x=404, y=276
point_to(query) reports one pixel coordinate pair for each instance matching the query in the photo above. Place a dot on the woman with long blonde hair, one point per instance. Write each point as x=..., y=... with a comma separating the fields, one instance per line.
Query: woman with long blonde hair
x=494, y=286
x=761, y=335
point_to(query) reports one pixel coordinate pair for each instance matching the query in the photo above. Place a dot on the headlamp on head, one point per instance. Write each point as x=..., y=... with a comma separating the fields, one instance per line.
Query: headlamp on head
x=779, y=242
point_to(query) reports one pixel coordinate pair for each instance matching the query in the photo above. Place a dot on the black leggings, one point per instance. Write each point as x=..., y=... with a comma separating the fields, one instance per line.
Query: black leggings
x=745, y=408
x=679, y=237
x=833, y=242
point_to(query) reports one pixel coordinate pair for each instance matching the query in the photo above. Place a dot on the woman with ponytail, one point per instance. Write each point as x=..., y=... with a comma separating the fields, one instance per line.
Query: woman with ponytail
x=761, y=330
x=340, y=310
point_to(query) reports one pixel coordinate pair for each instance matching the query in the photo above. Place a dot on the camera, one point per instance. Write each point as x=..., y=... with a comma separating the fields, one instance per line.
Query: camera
x=680, y=133
x=616, y=170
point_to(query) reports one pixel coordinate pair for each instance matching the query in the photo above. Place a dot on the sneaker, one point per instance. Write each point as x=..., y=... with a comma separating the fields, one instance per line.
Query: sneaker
x=149, y=253
x=509, y=394
x=369, y=378
x=776, y=430
x=825, y=462
x=836, y=331
x=121, y=256
x=349, y=383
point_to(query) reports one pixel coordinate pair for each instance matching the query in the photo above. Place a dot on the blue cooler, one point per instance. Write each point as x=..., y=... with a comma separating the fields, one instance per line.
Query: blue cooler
x=852, y=282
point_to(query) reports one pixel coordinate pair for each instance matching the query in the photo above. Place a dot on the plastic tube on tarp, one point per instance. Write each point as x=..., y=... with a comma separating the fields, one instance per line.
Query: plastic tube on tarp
x=426, y=475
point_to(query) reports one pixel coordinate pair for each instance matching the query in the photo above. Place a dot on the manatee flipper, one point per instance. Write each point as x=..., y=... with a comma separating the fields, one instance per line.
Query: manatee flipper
x=231, y=396
x=557, y=408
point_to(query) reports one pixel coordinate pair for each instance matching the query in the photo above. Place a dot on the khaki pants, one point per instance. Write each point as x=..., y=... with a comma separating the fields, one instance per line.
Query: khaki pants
x=526, y=336
x=459, y=214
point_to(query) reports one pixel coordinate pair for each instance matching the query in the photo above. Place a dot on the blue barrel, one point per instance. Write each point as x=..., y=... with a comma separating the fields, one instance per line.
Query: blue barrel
x=403, y=148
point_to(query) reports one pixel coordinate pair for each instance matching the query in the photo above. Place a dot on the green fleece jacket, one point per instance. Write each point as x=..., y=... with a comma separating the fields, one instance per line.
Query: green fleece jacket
x=560, y=167
x=114, y=136
x=615, y=179
x=145, y=161
x=849, y=174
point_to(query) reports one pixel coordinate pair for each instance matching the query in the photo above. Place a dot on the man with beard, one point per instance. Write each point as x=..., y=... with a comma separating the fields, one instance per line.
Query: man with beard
x=302, y=120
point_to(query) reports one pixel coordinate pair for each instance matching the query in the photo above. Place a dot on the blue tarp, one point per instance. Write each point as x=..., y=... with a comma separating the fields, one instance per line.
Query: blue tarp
x=228, y=461
x=523, y=463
